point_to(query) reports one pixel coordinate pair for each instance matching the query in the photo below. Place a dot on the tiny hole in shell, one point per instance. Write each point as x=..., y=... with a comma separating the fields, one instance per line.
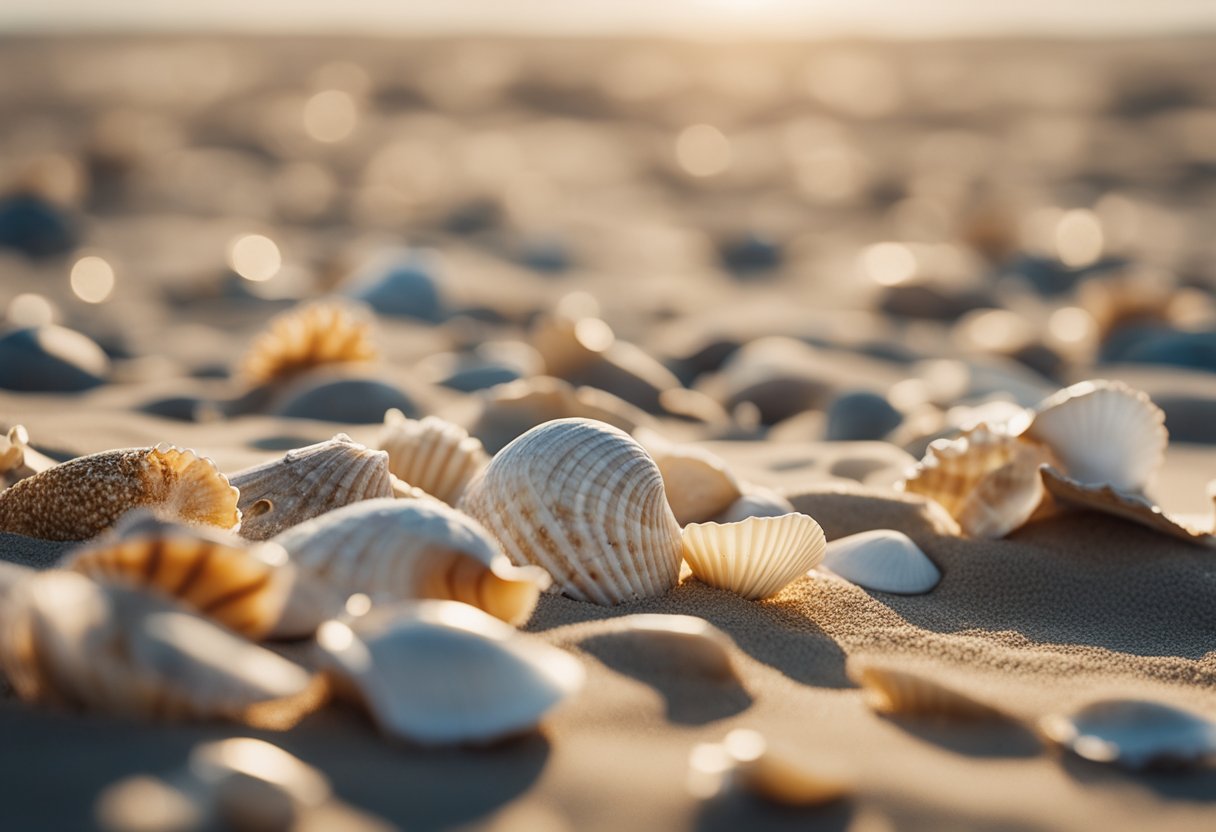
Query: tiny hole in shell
x=259, y=508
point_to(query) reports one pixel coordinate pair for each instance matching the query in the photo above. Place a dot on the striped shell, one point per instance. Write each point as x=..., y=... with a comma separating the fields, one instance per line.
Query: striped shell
x=754, y=557
x=698, y=483
x=301, y=339
x=585, y=502
x=309, y=481
x=1134, y=734
x=79, y=499
x=884, y=560
x=906, y=693
x=432, y=454
x=397, y=550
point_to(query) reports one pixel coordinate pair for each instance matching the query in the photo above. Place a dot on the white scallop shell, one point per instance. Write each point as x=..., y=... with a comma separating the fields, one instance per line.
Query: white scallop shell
x=901, y=692
x=698, y=483
x=1103, y=432
x=885, y=560
x=398, y=550
x=439, y=672
x=584, y=501
x=1134, y=734
x=755, y=557
x=432, y=454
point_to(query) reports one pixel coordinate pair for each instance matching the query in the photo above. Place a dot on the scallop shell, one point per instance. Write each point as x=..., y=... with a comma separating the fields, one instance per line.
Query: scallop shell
x=698, y=483
x=439, y=672
x=685, y=643
x=585, y=502
x=66, y=639
x=400, y=550
x=437, y=456
x=884, y=560
x=249, y=588
x=986, y=480
x=18, y=460
x=1103, y=432
x=755, y=557
x=907, y=693
x=306, y=337
x=309, y=481
x=756, y=502
x=745, y=760
x=1134, y=734
x=81, y=498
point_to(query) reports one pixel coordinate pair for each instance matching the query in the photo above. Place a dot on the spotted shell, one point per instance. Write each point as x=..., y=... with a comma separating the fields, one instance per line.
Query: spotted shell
x=432, y=454
x=698, y=483
x=397, y=550
x=897, y=692
x=309, y=481
x=754, y=557
x=79, y=499
x=1134, y=734
x=307, y=337
x=17, y=459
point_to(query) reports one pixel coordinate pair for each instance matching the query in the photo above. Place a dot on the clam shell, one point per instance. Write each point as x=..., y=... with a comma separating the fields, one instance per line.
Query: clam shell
x=81, y=498
x=439, y=672
x=307, y=337
x=986, y=480
x=66, y=639
x=755, y=502
x=437, y=456
x=1103, y=432
x=755, y=557
x=309, y=481
x=884, y=560
x=698, y=483
x=585, y=502
x=897, y=692
x=1134, y=734
x=685, y=643
x=396, y=550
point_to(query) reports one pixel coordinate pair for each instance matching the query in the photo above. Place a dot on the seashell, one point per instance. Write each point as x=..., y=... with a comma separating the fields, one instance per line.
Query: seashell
x=51, y=359
x=755, y=502
x=584, y=501
x=437, y=456
x=402, y=283
x=1134, y=734
x=698, y=483
x=906, y=693
x=66, y=639
x=986, y=480
x=745, y=760
x=400, y=550
x=439, y=672
x=685, y=642
x=755, y=557
x=79, y=499
x=1110, y=500
x=307, y=337
x=568, y=341
x=249, y=588
x=18, y=461
x=308, y=481
x=1103, y=432
x=884, y=560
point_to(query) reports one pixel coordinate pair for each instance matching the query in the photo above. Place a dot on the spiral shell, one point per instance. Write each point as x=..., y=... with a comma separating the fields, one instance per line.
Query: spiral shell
x=1134, y=734
x=754, y=557
x=437, y=456
x=885, y=560
x=585, y=502
x=898, y=692
x=307, y=337
x=81, y=498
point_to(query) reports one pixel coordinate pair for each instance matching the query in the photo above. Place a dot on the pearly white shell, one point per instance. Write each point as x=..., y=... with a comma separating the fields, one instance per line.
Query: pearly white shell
x=755, y=557
x=437, y=456
x=1134, y=734
x=885, y=560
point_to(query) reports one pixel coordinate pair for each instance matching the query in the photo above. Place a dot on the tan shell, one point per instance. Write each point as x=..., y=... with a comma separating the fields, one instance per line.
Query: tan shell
x=307, y=337
x=81, y=498
x=18, y=460
x=436, y=456
x=986, y=480
x=398, y=550
x=897, y=692
x=585, y=502
x=755, y=557
x=68, y=640
x=699, y=484
x=309, y=481
x=746, y=760
x=568, y=342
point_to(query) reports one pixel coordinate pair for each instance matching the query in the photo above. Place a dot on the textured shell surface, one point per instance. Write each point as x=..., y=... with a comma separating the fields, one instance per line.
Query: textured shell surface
x=309, y=481
x=901, y=692
x=309, y=336
x=79, y=499
x=1134, y=734
x=755, y=557
x=755, y=502
x=1103, y=432
x=699, y=484
x=585, y=502
x=399, y=550
x=684, y=642
x=440, y=672
x=432, y=454
x=885, y=560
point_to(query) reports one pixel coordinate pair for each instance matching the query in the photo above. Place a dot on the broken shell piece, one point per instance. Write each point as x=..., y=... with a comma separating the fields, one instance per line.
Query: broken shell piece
x=782, y=778
x=307, y=337
x=397, y=550
x=80, y=499
x=884, y=560
x=1134, y=734
x=756, y=502
x=18, y=460
x=685, y=641
x=755, y=557
x=432, y=454
x=906, y=693
x=439, y=672
x=698, y=483
x=309, y=481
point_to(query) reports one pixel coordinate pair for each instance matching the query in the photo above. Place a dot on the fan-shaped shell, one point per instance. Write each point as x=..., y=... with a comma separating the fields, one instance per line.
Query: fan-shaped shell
x=907, y=693
x=755, y=557
x=1134, y=734
x=1103, y=432
x=585, y=502
x=432, y=454
x=885, y=560
x=986, y=480
x=684, y=643
x=399, y=550
x=309, y=481
x=698, y=483
x=66, y=639
x=309, y=336
x=439, y=672
x=81, y=498
x=17, y=459
x=756, y=502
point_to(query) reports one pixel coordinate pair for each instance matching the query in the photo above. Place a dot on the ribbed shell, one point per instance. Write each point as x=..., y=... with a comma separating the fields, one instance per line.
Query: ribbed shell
x=755, y=557
x=1134, y=734
x=309, y=481
x=585, y=502
x=309, y=336
x=884, y=560
x=432, y=454
x=398, y=550
x=79, y=499
x=906, y=693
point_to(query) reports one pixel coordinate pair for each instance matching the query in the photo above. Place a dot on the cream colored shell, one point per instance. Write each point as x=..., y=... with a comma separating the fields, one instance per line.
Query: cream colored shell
x=899, y=692
x=434, y=455
x=754, y=557
x=698, y=483
x=307, y=337
x=885, y=560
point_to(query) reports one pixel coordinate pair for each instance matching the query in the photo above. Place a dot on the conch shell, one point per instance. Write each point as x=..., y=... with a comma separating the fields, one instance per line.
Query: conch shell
x=301, y=339
x=437, y=456
x=754, y=557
